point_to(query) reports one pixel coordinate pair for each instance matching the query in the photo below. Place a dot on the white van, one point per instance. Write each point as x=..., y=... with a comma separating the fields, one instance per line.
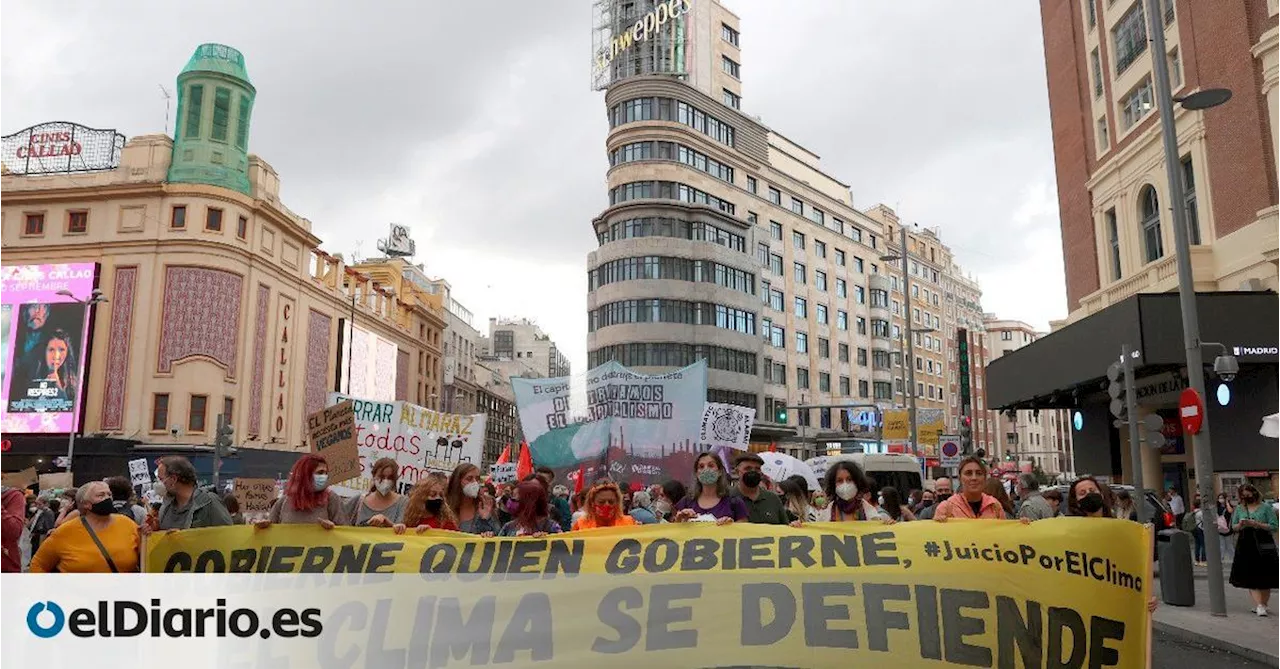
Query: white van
x=900, y=470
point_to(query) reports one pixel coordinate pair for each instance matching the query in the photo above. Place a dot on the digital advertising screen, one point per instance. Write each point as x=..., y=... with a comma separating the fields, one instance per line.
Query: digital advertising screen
x=44, y=337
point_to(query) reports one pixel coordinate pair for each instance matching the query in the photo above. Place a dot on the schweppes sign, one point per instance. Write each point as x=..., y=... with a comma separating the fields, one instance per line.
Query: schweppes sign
x=642, y=30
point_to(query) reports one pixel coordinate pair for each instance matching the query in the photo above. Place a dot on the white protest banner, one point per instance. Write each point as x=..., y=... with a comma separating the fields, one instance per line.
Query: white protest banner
x=419, y=439
x=139, y=474
x=503, y=473
x=727, y=425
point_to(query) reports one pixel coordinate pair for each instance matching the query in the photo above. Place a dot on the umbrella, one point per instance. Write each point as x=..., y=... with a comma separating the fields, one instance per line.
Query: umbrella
x=779, y=466
x=1271, y=426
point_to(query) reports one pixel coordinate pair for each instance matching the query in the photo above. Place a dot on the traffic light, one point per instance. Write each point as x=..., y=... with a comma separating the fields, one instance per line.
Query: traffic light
x=1116, y=389
x=1152, y=430
x=966, y=434
x=781, y=415
x=223, y=439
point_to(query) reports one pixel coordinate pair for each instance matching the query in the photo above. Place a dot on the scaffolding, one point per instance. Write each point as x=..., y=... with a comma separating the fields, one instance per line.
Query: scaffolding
x=616, y=53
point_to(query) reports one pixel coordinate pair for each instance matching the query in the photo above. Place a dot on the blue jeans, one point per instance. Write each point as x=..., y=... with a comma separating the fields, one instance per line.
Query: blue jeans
x=1199, y=552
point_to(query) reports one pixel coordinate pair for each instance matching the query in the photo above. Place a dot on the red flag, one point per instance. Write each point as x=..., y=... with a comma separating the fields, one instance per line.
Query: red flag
x=582, y=480
x=505, y=457
x=525, y=466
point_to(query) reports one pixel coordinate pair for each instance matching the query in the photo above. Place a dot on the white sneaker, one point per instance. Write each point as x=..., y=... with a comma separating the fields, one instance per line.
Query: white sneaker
x=1261, y=611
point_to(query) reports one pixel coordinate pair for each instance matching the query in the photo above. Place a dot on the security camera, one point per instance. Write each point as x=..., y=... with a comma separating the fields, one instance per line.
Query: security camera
x=173, y=430
x=1226, y=367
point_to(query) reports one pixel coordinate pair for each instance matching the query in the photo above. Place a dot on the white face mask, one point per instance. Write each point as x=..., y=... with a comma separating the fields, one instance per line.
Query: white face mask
x=471, y=489
x=662, y=506
x=160, y=490
x=847, y=491
x=385, y=485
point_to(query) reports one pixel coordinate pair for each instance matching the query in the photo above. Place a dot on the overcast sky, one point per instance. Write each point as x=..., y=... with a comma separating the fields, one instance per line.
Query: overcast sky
x=474, y=124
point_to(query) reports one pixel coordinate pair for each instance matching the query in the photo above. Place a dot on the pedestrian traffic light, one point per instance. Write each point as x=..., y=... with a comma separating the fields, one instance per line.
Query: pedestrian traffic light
x=781, y=416
x=1116, y=389
x=223, y=438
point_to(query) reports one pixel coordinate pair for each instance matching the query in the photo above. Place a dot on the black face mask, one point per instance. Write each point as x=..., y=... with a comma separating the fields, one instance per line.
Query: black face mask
x=434, y=505
x=1091, y=503
x=1247, y=498
x=927, y=502
x=104, y=507
x=941, y=497
x=752, y=478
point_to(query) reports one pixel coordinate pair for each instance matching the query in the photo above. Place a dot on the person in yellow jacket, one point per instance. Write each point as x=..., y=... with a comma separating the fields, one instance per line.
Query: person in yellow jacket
x=603, y=508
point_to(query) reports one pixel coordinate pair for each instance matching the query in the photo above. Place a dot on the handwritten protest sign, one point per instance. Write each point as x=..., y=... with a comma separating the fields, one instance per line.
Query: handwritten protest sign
x=139, y=474
x=255, y=495
x=503, y=473
x=333, y=435
x=21, y=479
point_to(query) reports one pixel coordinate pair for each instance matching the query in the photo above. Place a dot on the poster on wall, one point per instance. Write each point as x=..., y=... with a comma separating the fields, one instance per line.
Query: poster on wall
x=635, y=428
x=369, y=365
x=419, y=439
x=44, y=345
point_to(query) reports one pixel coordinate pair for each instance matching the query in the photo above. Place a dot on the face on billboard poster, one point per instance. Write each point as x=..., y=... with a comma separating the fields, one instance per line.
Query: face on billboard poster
x=44, y=346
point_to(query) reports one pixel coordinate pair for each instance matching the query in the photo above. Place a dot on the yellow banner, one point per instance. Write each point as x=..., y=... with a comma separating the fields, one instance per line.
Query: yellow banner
x=896, y=425
x=978, y=593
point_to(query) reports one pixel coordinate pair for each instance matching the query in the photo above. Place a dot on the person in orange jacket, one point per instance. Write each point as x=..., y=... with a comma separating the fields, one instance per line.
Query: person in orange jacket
x=603, y=508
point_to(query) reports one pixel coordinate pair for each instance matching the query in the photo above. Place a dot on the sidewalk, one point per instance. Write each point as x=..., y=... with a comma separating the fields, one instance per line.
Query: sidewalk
x=1241, y=632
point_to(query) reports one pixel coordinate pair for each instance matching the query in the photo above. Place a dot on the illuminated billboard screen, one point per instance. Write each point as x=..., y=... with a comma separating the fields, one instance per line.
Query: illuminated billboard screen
x=368, y=368
x=44, y=336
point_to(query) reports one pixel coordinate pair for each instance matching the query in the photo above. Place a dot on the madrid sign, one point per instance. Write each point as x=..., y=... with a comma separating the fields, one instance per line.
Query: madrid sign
x=61, y=147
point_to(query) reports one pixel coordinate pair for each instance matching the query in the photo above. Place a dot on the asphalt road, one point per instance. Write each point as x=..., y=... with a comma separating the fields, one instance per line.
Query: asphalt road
x=1169, y=651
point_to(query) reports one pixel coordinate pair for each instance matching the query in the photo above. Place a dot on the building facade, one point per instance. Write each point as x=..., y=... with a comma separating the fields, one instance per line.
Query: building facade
x=497, y=400
x=1041, y=438
x=522, y=341
x=220, y=300
x=725, y=240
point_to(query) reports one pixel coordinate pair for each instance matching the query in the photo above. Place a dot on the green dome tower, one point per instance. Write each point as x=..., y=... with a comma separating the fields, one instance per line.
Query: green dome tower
x=211, y=133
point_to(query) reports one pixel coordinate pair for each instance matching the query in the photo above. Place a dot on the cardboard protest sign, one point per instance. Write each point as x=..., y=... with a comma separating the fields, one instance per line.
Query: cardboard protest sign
x=139, y=473
x=21, y=479
x=333, y=435
x=255, y=495
x=54, y=481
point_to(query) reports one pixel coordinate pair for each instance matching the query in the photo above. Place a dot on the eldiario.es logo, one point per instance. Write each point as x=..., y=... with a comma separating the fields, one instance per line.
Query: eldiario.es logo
x=125, y=618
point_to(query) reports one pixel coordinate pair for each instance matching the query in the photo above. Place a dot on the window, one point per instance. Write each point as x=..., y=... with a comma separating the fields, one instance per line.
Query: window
x=160, y=412
x=728, y=34
x=797, y=206
x=675, y=355
x=799, y=273
x=1091, y=12
x=775, y=264
x=1096, y=61
x=775, y=230
x=873, y=244
x=840, y=257
x=1189, y=192
x=242, y=227
x=883, y=390
x=775, y=196
x=824, y=383
x=842, y=288
x=819, y=248
x=842, y=351
x=1104, y=135
x=775, y=299
x=817, y=216
x=802, y=378
x=669, y=311
x=77, y=222
x=178, y=217
x=1150, y=213
x=199, y=410
x=842, y=319
x=797, y=240
x=762, y=253
x=731, y=67
x=213, y=220
x=229, y=408
x=855, y=233
x=655, y=226
x=33, y=224
x=820, y=280
x=194, y=102
x=824, y=347
x=861, y=325
x=242, y=123
x=1175, y=70
x=862, y=357
x=1130, y=37
x=1135, y=106
x=752, y=185
x=802, y=307
x=667, y=190
x=859, y=294
x=857, y=264
x=863, y=388
x=844, y=386
x=752, y=218
x=778, y=337
x=802, y=342
x=1113, y=239
x=667, y=109
x=221, y=114
x=731, y=99
x=822, y=314
x=838, y=224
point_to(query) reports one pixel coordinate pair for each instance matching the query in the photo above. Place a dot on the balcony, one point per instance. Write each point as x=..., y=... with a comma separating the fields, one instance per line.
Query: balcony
x=1160, y=276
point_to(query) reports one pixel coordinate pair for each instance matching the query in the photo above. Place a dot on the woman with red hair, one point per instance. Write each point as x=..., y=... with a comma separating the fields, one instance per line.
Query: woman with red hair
x=532, y=515
x=603, y=508
x=306, y=497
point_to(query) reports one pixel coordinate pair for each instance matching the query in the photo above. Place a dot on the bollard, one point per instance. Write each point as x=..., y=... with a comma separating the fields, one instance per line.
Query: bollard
x=1177, y=585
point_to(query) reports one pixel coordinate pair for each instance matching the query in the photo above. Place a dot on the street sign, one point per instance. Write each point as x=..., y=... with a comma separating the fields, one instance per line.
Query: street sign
x=949, y=450
x=62, y=462
x=1191, y=411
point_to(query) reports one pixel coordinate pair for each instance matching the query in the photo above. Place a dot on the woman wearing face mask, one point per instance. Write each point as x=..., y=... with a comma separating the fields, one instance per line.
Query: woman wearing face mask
x=667, y=496
x=471, y=501
x=1226, y=545
x=972, y=502
x=98, y=541
x=795, y=496
x=427, y=508
x=604, y=508
x=306, y=497
x=710, y=495
x=843, y=486
x=382, y=506
x=1087, y=498
x=1255, y=566
x=532, y=517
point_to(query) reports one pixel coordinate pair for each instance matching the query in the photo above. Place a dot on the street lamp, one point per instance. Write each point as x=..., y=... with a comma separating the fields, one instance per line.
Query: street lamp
x=1201, y=100
x=95, y=298
x=906, y=316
